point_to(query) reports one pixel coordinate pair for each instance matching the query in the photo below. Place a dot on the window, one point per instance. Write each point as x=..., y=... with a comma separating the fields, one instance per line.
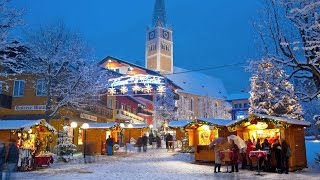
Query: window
x=110, y=103
x=128, y=108
x=18, y=89
x=191, y=104
x=236, y=106
x=240, y=106
x=245, y=105
x=41, y=88
x=165, y=46
x=122, y=106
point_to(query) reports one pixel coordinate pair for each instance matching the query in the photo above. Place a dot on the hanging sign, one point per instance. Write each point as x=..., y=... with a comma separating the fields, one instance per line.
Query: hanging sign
x=30, y=108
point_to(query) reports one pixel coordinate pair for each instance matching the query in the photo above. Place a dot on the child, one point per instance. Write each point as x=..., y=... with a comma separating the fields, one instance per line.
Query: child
x=217, y=161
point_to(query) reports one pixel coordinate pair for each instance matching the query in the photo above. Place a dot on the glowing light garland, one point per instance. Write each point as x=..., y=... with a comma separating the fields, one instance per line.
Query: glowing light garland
x=137, y=83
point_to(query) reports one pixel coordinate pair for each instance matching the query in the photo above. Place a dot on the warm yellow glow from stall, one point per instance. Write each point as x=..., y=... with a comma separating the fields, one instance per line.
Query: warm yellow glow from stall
x=258, y=126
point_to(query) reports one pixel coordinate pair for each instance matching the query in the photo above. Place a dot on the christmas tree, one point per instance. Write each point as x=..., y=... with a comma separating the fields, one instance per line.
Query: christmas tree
x=64, y=147
x=271, y=92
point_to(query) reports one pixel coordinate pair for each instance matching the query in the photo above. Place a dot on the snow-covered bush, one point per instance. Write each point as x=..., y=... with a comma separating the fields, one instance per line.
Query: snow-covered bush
x=64, y=147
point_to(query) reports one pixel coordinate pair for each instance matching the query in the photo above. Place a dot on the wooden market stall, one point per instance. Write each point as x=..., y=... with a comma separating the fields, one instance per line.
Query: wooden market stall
x=96, y=134
x=202, y=132
x=179, y=132
x=33, y=139
x=132, y=132
x=259, y=126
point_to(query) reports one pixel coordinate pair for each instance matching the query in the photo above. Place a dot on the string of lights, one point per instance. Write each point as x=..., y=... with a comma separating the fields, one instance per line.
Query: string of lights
x=208, y=68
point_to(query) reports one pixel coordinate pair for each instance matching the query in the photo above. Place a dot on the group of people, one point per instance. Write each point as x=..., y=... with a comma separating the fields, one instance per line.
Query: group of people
x=9, y=158
x=276, y=152
x=234, y=159
x=142, y=142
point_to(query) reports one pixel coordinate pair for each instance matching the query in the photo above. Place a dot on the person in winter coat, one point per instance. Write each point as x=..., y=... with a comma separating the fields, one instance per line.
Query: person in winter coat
x=169, y=144
x=158, y=139
x=2, y=157
x=250, y=147
x=217, y=160
x=144, y=142
x=285, y=154
x=277, y=149
x=110, y=143
x=12, y=159
x=235, y=158
x=266, y=147
x=151, y=137
x=139, y=143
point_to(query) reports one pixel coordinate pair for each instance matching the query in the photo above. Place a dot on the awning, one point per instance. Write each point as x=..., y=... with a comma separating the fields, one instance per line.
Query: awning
x=215, y=122
x=105, y=125
x=179, y=123
x=23, y=124
x=280, y=119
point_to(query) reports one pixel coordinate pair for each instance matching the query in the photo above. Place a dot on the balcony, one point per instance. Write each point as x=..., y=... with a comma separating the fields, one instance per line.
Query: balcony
x=5, y=101
x=126, y=115
x=101, y=110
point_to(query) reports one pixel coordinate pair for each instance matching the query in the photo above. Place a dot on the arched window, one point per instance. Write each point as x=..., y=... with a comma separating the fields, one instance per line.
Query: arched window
x=191, y=104
x=216, y=109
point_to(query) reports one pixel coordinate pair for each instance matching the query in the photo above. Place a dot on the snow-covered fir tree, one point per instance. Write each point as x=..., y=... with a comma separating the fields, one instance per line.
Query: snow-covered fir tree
x=271, y=92
x=165, y=106
x=64, y=69
x=64, y=147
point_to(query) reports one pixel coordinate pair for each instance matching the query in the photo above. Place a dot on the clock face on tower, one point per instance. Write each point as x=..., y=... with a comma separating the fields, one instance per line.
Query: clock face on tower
x=152, y=34
x=165, y=34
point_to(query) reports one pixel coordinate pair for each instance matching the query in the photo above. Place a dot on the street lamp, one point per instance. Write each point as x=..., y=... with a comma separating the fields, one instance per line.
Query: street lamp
x=85, y=126
x=73, y=125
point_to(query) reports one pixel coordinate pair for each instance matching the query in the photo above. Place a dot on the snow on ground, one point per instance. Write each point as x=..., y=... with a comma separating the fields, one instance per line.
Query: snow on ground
x=155, y=164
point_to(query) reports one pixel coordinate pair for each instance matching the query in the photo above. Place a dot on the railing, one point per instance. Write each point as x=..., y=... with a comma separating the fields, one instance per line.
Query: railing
x=100, y=110
x=5, y=101
x=122, y=114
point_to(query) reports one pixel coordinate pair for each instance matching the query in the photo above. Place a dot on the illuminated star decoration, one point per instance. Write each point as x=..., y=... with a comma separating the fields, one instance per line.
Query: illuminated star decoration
x=112, y=91
x=161, y=89
x=136, y=88
x=124, y=89
x=148, y=88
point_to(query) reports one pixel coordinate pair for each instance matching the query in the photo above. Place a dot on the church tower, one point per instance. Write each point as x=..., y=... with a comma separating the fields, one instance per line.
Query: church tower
x=159, y=44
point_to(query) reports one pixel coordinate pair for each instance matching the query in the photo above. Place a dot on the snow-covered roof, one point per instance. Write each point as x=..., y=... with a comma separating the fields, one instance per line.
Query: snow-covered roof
x=198, y=83
x=217, y=122
x=281, y=119
x=23, y=124
x=179, y=123
x=137, y=126
x=105, y=125
x=238, y=96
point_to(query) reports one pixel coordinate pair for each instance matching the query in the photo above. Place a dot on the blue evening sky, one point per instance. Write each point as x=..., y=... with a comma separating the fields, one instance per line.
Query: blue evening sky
x=207, y=33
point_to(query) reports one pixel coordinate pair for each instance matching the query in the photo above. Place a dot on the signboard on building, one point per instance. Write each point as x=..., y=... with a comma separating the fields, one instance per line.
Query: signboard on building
x=30, y=108
x=88, y=117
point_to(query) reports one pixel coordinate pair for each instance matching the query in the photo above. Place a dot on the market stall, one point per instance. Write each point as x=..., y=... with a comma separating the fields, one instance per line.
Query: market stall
x=96, y=135
x=131, y=132
x=179, y=132
x=202, y=132
x=258, y=126
x=33, y=138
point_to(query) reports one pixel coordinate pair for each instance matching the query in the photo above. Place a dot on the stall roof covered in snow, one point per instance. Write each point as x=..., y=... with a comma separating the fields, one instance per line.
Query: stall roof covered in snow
x=198, y=83
x=238, y=96
x=23, y=124
x=179, y=123
x=216, y=122
x=281, y=119
x=105, y=125
x=137, y=126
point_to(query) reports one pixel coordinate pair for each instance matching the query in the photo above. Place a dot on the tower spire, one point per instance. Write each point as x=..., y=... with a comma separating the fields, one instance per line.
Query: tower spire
x=159, y=14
